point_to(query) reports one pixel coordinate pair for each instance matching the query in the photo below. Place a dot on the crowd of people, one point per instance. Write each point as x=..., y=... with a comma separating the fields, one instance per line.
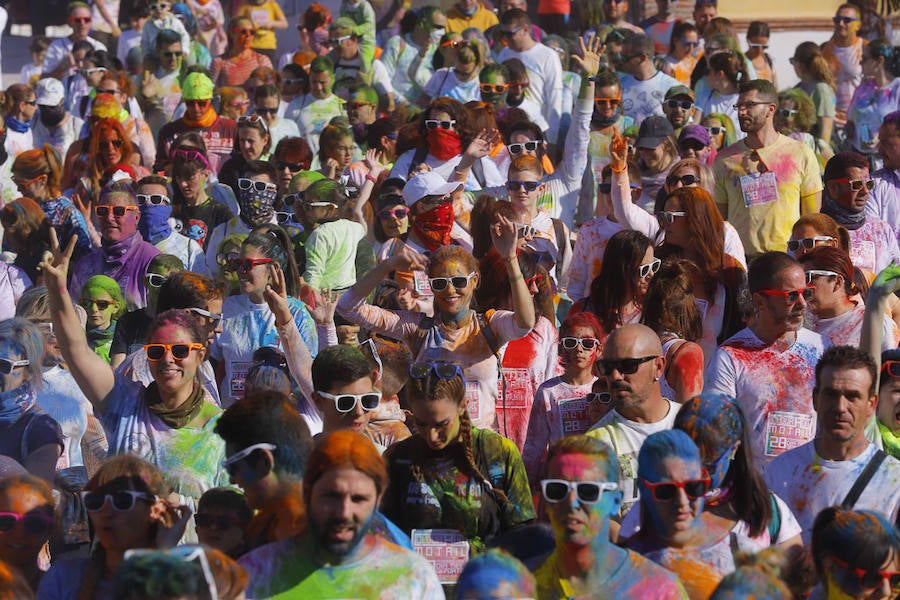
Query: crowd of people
x=494, y=300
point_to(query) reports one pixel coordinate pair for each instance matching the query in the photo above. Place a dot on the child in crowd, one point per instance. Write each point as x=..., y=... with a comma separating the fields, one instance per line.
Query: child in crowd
x=222, y=514
x=33, y=70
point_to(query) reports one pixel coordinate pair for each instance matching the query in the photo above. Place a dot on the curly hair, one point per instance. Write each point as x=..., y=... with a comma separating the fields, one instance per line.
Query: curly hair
x=805, y=119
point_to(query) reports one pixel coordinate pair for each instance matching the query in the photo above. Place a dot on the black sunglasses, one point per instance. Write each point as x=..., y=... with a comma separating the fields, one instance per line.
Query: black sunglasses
x=625, y=366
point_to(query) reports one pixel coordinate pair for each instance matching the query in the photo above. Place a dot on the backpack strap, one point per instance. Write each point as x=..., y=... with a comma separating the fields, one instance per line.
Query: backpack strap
x=863, y=480
x=478, y=172
x=418, y=158
x=425, y=325
x=775, y=523
x=494, y=345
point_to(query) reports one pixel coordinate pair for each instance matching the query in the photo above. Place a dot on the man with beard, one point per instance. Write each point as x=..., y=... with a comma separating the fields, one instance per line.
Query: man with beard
x=768, y=366
x=828, y=470
x=633, y=362
x=765, y=182
x=873, y=243
x=338, y=554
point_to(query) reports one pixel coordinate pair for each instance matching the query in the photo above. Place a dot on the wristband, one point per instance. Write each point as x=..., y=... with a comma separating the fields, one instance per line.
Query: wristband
x=622, y=170
x=370, y=178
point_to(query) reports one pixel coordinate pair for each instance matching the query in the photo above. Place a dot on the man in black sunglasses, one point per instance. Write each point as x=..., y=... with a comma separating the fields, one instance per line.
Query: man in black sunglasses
x=345, y=394
x=633, y=363
x=768, y=366
x=873, y=243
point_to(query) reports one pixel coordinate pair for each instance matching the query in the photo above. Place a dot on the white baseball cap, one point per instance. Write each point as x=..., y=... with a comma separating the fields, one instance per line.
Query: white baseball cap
x=49, y=92
x=428, y=183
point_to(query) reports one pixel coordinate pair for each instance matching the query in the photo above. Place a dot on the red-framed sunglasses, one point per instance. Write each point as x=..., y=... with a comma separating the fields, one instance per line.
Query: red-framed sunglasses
x=870, y=580
x=793, y=296
x=665, y=491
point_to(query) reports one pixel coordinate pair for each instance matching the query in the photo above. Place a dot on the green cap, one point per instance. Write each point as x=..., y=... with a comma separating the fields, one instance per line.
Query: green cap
x=680, y=90
x=343, y=26
x=197, y=86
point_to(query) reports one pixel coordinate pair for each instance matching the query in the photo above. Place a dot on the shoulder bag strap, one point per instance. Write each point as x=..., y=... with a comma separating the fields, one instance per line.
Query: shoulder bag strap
x=863, y=480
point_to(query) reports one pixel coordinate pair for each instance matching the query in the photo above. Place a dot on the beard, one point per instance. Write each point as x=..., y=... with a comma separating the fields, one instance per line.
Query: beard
x=338, y=549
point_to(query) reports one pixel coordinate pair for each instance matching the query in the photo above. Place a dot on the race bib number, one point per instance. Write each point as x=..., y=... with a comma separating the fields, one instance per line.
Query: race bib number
x=238, y=378
x=787, y=430
x=422, y=284
x=473, y=402
x=759, y=188
x=446, y=549
x=574, y=416
x=518, y=388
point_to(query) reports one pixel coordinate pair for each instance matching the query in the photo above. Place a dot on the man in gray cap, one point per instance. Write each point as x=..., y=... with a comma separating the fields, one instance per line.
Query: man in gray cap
x=54, y=126
x=678, y=106
x=656, y=149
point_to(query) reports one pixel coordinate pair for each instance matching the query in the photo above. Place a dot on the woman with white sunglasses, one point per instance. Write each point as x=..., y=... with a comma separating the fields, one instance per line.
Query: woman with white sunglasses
x=124, y=501
x=169, y=422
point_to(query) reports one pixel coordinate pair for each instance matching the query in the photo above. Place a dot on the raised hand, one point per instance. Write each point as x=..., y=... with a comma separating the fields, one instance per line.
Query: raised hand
x=276, y=295
x=373, y=162
x=172, y=516
x=326, y=303
x=483, y=143
x=331, y=168
x=504, y=237
x=588, y=57
x=887, y=282
x=618, y=152
x=55, y=262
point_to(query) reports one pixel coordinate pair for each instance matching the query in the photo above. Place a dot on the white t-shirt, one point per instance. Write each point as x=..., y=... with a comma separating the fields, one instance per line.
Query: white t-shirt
x=62, y=399
x=874, y=245
x=846, y=329
x=626, y=437
x=809, y=483
x=587, y=256
x=642, y=99
x=444, y=82
x=312, y=115
x=774, y=389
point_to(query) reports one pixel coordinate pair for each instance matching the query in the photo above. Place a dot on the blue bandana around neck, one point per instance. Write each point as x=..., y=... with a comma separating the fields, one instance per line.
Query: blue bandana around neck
x=14, y=403
x=154, y=224
x=17, y=125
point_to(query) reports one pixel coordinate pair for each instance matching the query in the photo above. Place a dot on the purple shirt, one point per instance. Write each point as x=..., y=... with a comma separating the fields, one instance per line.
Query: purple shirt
x=125, y=261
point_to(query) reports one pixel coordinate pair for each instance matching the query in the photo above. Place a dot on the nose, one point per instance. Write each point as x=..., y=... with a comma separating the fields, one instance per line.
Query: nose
x=615, y=376
x=681, y=499
x=434, y=437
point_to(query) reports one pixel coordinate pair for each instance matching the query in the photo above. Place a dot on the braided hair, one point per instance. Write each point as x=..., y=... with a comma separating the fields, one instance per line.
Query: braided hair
x=433, y=388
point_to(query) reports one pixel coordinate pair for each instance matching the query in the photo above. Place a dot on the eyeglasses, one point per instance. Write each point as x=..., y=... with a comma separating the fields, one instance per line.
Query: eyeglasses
x=525, y=231
x=117, y=211
x=292, y=81
x=173, y=54
x=493, y=88
x=812, y=273
x=434, y=124
x=186, y=155
x=122, y=501
x=213, y=318
x=260, y=186
x=607, y=101
x=204, y=520
x=870, y=580
x=650, y=268
x=588, y=492
x=793, y=296
x=808, y=243
x=625, y=366
x=155, y=280
x=159, y=6
x=685, y=180
x=252, y=120
x=514, y=185
x=228, y=463
x=510, y=32
x=682, y=104
x=344, y=403
x=36, y=524
x=153, y=199
x=291, y=199
x=787, y=113
x=891, y=367
x=666, y=491
x=843, y=20
x=570, y=343
x=667, y=217
x=441, y=370
x=399, y=212
x=7, y=366
x=601, y=397
x=245, y=265
x=100, y=304
x=198, y=102
x=530, y=145
x=262, y=110
x=93, y=70
x=459, y=282
x=715, y=130
x=606, y=187
x=744, y=106
x=689, y=44
x=156, y=352
x=112, y=92
x=81, y=20
x=856, y=185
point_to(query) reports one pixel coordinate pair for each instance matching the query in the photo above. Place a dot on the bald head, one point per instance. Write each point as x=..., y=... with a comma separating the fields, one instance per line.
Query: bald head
x=632, y=341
